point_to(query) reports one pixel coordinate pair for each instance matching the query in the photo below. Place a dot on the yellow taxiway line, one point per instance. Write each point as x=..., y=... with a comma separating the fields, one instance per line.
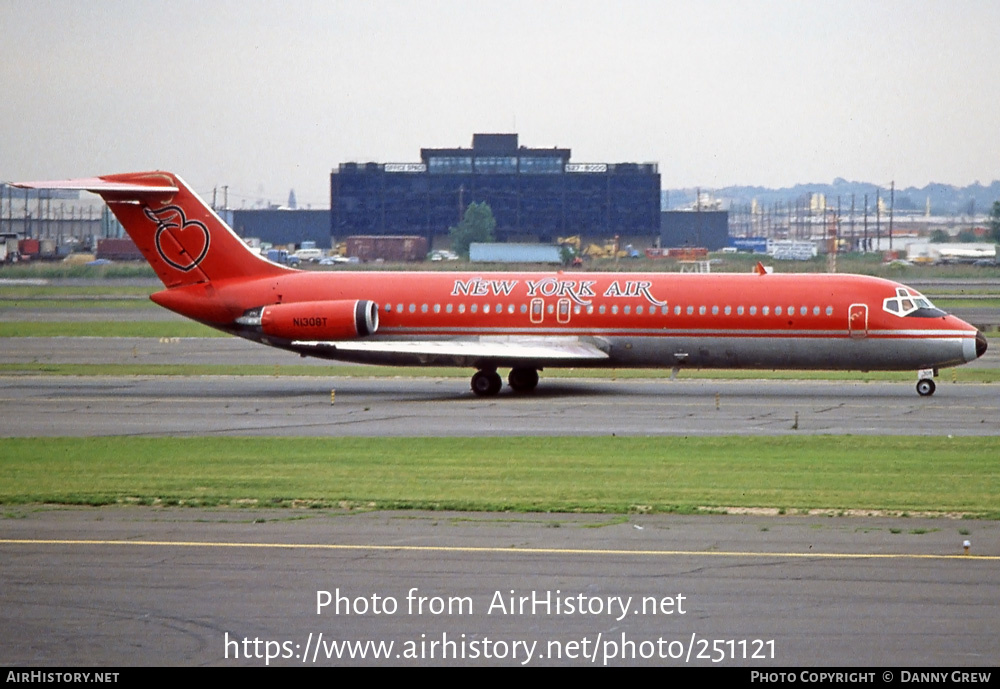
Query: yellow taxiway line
x=498, y=550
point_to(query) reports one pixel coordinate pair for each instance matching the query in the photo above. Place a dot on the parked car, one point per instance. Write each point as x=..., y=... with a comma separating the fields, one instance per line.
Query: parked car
x=334, y=260
x=310, y=255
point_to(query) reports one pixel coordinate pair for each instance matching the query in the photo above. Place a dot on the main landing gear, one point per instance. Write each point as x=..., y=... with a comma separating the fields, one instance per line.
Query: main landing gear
x=487, y=382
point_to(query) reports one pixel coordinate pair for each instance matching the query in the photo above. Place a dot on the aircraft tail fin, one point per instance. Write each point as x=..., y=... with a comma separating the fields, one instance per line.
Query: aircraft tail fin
x=182, y=238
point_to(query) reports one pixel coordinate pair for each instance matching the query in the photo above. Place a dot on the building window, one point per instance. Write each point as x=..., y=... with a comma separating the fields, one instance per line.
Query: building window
x=450, y=165
x=545, y=165
x=487, y=165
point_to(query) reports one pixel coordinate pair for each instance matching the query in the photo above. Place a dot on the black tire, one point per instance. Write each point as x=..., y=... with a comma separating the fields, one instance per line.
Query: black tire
x=523, y=379
x=486, y=383
x=925, y=387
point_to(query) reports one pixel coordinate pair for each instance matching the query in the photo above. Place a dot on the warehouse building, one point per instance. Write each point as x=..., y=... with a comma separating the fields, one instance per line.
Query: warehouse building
x=708, y=229
x=536, y=194
x=282, y=227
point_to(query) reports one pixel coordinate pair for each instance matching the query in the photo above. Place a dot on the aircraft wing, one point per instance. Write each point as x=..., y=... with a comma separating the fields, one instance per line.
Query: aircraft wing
x=528, y=352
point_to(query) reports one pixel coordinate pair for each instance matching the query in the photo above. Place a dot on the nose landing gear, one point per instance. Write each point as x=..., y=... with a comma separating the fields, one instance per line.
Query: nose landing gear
x=925, y=387
x=925, y=382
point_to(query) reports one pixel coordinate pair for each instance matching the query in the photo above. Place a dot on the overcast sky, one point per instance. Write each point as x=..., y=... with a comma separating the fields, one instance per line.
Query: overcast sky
x=269, y=96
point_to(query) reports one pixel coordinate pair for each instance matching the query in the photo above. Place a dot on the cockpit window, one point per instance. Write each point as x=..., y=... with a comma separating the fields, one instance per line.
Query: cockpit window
x=909, y=302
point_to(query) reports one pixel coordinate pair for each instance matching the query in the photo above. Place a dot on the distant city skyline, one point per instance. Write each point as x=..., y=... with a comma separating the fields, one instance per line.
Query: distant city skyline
x=265, y=97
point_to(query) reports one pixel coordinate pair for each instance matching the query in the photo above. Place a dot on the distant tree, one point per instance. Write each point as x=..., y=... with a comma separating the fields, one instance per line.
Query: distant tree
x=477, y=226
x=995, y=222
x=966, y=235
x=291, y=200
x=940, y=237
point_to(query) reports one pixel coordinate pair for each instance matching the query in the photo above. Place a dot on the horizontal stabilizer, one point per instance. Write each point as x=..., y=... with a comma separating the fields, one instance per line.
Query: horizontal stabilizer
x=98, y=185
x=183, y=239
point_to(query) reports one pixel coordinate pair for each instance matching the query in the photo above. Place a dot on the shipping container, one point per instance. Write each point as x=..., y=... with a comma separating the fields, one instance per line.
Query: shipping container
x=496, y=252
x=123, y=249
x=28, y=248
x=387, y=248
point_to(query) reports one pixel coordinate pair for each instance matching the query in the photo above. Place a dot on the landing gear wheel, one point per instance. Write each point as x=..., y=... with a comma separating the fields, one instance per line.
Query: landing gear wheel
x=523, y=379
x=925, y=387
x=486, y=383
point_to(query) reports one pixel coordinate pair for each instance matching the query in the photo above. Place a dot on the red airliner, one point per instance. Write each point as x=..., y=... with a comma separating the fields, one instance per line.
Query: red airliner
x=527, y=321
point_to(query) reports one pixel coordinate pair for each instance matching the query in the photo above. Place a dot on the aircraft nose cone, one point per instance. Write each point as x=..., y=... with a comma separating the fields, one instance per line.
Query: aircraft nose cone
x=980, y=343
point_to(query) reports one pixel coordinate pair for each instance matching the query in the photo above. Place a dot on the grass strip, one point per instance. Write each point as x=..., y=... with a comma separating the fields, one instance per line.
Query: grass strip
x=958, y=303
x=75, y=291
x=129, y=328
x=83, y=304
x=562, y=474
x=956, y=375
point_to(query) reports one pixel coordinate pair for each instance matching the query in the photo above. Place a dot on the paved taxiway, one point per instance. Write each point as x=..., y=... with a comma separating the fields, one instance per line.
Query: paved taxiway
x=272, y=405
x=376, y=407
x=141, y=586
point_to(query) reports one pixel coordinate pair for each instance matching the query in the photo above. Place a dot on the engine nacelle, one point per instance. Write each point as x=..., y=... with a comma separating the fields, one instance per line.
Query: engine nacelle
x=320, y=320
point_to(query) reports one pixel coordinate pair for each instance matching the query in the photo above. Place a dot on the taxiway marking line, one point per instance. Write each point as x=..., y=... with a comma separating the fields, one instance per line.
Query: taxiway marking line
x=499, y=550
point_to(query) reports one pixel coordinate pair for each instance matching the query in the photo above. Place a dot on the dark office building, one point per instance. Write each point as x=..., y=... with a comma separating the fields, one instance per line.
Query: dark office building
x=709, y=229
x=283, y=227
x=535, y=193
